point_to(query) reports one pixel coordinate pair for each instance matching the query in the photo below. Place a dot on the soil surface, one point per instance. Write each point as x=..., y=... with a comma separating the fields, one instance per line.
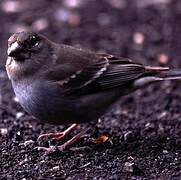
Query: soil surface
x=144, y=129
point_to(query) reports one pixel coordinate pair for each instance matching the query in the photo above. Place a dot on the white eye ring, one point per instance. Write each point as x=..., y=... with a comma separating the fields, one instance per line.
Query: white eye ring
x=36, y=44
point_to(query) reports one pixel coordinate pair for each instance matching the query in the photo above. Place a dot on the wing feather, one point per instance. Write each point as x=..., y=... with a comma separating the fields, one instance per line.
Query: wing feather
x=101, y=72
x=87, y=75
x=108, y=72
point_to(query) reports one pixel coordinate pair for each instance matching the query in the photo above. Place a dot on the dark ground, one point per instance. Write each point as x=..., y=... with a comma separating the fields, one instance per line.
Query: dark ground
x=144, y=129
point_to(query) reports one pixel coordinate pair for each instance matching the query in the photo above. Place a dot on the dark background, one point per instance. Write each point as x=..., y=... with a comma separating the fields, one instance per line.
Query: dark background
x=144, y=130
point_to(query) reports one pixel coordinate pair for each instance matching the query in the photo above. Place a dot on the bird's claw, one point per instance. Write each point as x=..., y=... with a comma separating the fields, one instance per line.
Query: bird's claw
x=51, y=149
x=53, y=136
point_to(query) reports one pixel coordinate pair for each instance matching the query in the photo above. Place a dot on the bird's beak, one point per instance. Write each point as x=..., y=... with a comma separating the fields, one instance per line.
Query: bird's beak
x=14, y=49
x=17, y=52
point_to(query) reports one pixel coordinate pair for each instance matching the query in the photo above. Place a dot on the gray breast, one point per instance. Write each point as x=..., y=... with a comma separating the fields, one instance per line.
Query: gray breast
x=34, y=97
x=44, y=101
x=26, y=94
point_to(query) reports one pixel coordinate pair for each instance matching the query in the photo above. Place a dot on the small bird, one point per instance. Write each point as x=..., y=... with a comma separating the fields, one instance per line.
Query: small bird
x=61, y=84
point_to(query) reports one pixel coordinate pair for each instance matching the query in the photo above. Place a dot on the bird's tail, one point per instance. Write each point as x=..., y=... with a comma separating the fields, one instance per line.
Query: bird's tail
x=164, y=72
x=156, y=74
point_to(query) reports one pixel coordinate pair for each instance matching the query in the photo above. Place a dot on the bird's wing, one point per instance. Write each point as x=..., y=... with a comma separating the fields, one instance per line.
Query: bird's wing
x=85, y=75
x=106, y=72
x=119, y=72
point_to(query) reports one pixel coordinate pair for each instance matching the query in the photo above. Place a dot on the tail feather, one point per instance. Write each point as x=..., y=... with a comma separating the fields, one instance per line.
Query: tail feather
x=163, y=72
x=170, y=75
x=156, y=74
x=150, y=69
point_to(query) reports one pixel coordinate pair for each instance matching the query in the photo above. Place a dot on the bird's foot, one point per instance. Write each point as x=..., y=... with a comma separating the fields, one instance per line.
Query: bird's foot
x=64, y=146
x=58, y=135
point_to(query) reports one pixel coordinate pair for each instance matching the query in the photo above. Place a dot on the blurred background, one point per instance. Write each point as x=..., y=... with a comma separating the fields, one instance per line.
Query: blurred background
x=141, y=29
x=145, y=128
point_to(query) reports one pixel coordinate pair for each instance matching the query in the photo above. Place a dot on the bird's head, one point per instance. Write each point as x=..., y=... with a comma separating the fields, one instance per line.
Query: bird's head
x=27, y=53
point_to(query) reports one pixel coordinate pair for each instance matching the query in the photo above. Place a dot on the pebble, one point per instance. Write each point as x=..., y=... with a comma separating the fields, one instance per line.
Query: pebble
x=160, y=128
x=10, y=6
x=163, y=58
x=162, y=115
x=24, y=160
x=130, y=158
x=16, y=99
x=26, y=143
x=128, y=167
x=19, y=136
x=40, y=24
x=138, y=38
x=125, y=112
x=74, y=20
x=72, y=3
x=149, y=126
x=62, y=15
x=56, y=168
x=19, y=115
x=128, y=136
x=165, y=152
x=3, y=131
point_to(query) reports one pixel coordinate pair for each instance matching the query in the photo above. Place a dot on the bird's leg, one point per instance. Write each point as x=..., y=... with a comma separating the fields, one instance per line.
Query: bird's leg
x=58, y=135
x=63, y=146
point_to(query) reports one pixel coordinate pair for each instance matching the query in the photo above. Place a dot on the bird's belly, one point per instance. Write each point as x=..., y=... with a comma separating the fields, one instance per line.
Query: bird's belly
x=45, y=102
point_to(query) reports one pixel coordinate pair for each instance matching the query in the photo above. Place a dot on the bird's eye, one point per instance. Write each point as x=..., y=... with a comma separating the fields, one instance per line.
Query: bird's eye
x=33, y=41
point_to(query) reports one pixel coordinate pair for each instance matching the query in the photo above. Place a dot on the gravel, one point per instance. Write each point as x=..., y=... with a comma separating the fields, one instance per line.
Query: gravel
x=144, y=129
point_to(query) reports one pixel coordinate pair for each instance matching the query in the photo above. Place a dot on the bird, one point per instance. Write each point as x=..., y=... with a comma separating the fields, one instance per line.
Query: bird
x=62, y=84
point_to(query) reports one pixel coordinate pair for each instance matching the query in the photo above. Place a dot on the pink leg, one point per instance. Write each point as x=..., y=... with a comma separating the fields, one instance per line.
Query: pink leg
x=63, y=146
x=58, y=135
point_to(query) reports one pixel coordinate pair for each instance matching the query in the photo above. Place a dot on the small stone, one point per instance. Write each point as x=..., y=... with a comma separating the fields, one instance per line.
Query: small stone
x=138, y=38
x=3, y=131
x=128, y=136
x=56, y=168
x=124, y=112
x=130, y=158
x=62, y=15
x=149, y=126
x=72, y=3
x=165, y=152
x=24, y=160
x=128, y=167
x=19, y=115
x=160, y=128
x=163, y=58
x=74, y=20
x=26, y=143
x=99, y=120
x=19, y=136
x=16, y=99
x=10, y=6
x=132, y=168
x=40, y=24
x=162, y=115
x=42, y=161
